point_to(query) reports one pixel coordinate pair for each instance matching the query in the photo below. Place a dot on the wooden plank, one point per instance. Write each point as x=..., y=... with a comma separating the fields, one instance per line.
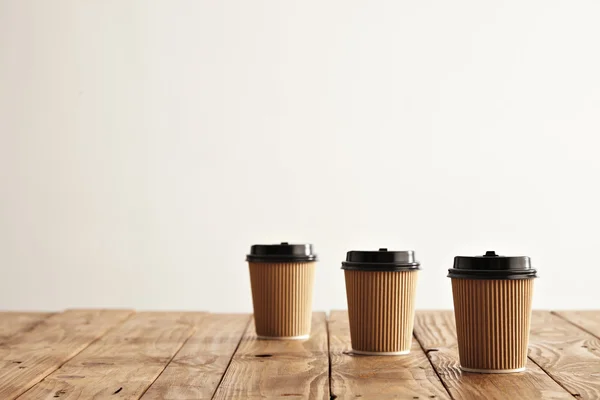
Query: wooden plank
x=26, y=359
x=568, y=354
x=436, y=332
x=197, y=369
x=124, y=362
x=12, y=323
x=409, y=376
x=279, y=368
x=589, y=321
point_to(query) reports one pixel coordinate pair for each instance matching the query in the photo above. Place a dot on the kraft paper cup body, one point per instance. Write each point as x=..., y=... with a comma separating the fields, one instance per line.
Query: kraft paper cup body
x=492, y=323
x=282, y=297
x=282, y=279
x=381, y=310
x=381, y=303
x=492, y=309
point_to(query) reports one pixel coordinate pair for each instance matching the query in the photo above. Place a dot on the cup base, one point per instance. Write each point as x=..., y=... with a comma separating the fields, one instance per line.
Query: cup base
x=301, y=337
x=492, y=371
x=380, y=353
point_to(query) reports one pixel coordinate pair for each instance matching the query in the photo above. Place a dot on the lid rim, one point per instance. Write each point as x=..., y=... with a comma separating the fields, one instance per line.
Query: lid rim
x=493, y=274
x=391, y=264
x=251, y=257
x=493, y=278
x=380, y=267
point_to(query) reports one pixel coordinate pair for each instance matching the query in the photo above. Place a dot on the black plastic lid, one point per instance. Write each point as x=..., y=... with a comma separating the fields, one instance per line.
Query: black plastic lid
x=283, y=252
x=492, y=266
x=381, y=260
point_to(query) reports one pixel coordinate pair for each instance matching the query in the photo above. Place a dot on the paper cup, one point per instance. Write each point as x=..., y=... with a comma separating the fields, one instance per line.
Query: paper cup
x=493, y=313
x=380, y=288
x=282, y=297
x=381, y=311
x=282, y=290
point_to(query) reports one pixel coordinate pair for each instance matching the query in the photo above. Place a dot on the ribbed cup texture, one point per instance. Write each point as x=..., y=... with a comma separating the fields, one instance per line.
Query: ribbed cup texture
x=282, y=297
x=381, y=309
x=492, y=322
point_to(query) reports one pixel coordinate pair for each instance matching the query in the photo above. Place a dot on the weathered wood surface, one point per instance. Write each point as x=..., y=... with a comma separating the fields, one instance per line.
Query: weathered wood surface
x=435, y=331
x=116, y=354
x=279, y=368
x=197, y=369
x=28, y=358
x=124, y=362
x=408, y=376
x=568, y=354
x=588, y=321
x=12, y=323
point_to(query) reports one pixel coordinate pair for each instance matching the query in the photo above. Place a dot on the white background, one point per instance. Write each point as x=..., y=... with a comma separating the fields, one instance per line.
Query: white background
x=145, y=146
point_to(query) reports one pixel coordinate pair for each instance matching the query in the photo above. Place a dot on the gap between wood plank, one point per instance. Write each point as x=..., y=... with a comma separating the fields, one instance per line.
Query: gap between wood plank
x=554, y=368
x=573, y=323
x=545, y=371
x=233, y=355
x=328, y=316
x=170, y=360
x=75, y=355
x=437, y=373
x=408, y=376
x=577, y=326
x=137, y=348
x=132, y=313
x=436, y=330
x=551, y=377
x=279, y=368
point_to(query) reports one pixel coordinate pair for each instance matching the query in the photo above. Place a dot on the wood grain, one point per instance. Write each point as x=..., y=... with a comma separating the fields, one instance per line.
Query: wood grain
x=568, y=354
x=436, y=332
x=123, y=363
x=589, y=321
x=27, y=358
x=12, y=323
x=409, y=376
x=279, y=368
x=197, y=369
x=82, y=354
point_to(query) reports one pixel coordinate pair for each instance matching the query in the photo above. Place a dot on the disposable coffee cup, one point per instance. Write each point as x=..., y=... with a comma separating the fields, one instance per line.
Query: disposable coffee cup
x=380, y=287
x=282, y=279
x=492, y=306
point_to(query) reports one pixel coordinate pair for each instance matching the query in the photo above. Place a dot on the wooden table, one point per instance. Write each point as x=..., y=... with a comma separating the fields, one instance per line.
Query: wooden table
x=119, y=354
